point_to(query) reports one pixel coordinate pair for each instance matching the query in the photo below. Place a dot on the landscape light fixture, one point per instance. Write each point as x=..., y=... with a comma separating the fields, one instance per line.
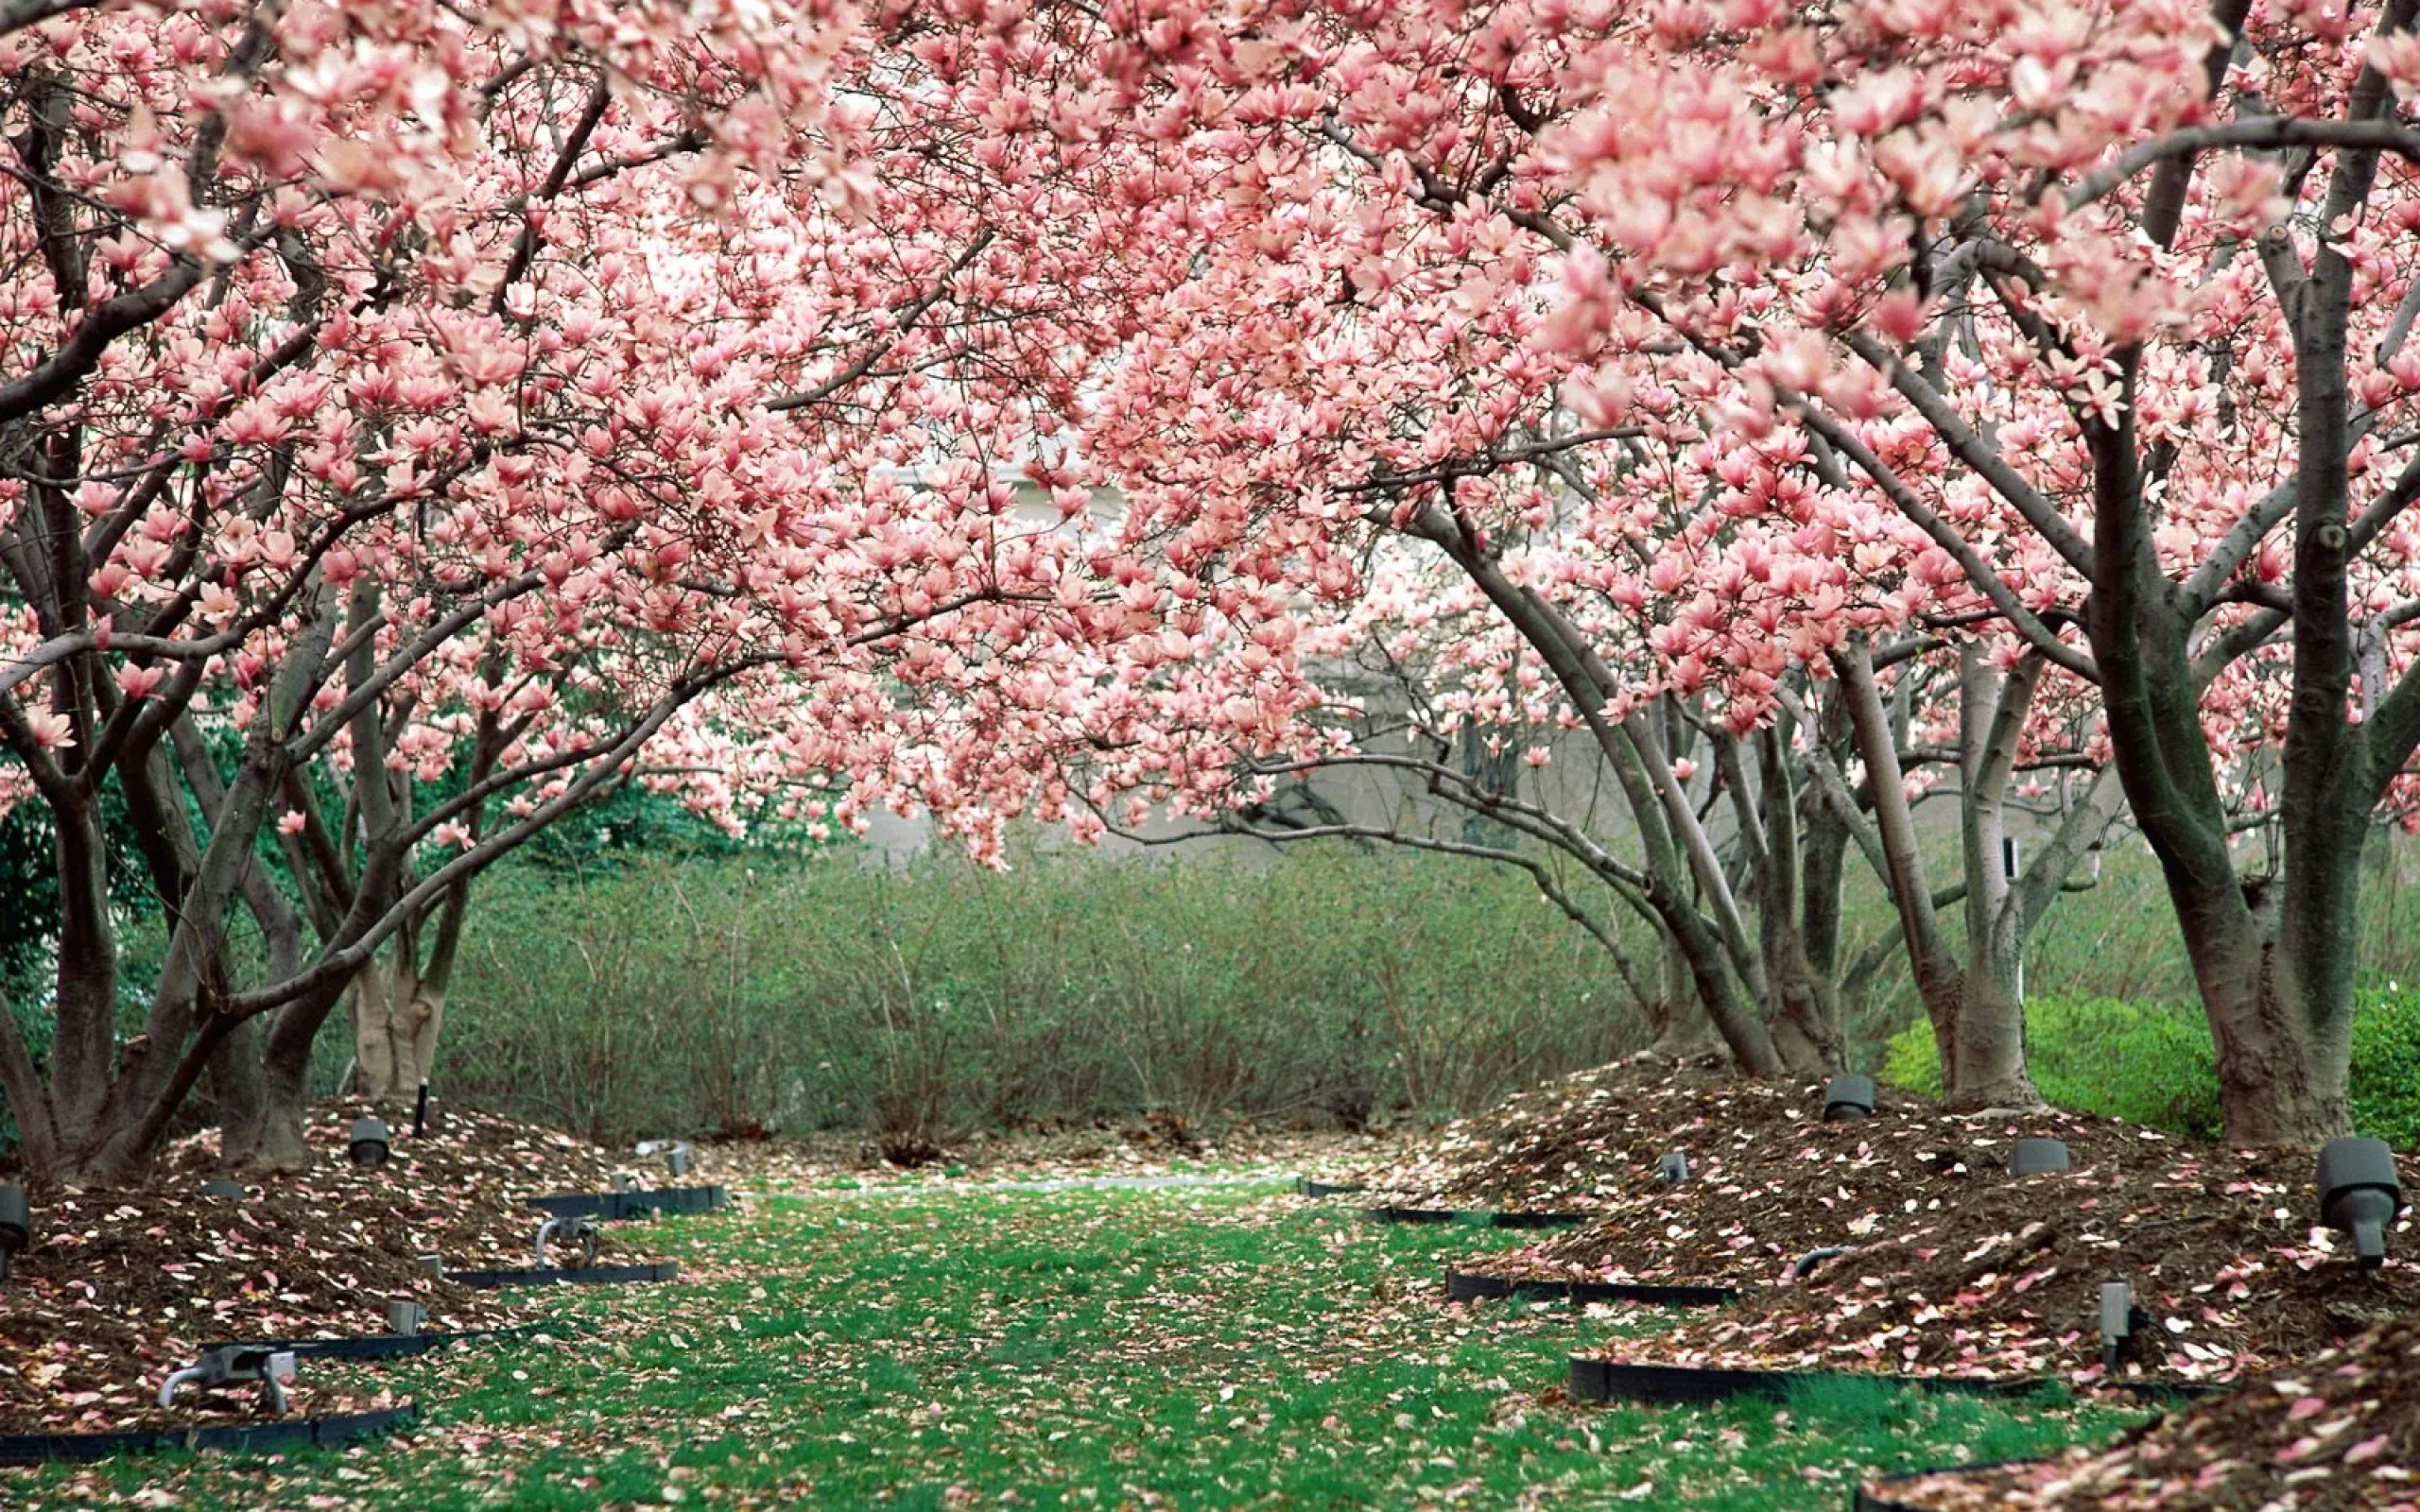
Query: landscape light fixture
x=16, y=1225
x=403, y=1316
x=2035, y=1157
x=1673, y=1169
x=369, y=1143
x=1848, y=1095
x=2360, y=1194
x=232, y=1363
x=2120, y=1318
x=434, y=1264
x=580, y=1231
x=421, y=1123
x=223, y=1190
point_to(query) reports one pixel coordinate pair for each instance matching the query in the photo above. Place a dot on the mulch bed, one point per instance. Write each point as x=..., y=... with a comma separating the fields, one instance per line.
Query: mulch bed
x=2339, y=1433
x=1579, y=1142
x=1980, y=1273
x=1953, y=1264
x=120, y=1288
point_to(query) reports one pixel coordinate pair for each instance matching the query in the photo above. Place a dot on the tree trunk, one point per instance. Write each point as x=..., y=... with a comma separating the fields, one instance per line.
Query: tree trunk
x=1678, y=1016
x=2283, y=1053
x=237, y=1090
x=396, y=1018
x=1983, y=1063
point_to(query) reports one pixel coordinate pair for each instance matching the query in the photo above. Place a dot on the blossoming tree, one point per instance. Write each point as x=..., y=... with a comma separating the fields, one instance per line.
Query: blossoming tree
x=419, y=424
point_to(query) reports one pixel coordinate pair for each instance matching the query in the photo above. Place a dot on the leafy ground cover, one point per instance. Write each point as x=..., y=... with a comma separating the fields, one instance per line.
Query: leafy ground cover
x=1183, y=1347
x=2339, y=1434
x=119, y=1287
x=1942, y=1260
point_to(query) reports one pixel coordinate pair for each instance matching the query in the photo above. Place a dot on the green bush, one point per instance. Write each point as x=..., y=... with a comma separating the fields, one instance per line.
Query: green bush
x=2145, y=1063
x=1327, y=986
x=2153, y=1065
x=2386, y=1066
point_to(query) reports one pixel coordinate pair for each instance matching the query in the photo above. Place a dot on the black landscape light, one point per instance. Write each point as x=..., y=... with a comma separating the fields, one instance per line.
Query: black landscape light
x=403, y=1316
x=422, y=1125
x=1848, y=1095
x=2035, y=1157
x=369, y=1143
x=1673, y=1169
x=2360, y=1194
x=580, y=1231
x=232, y=1363
x=2120, y=1318
x=223, y=1190
x=16, y=1225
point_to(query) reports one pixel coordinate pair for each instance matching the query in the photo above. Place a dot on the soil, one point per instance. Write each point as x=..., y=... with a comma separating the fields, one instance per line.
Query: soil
x=119, y=1287
x=1953, y=1264
x=2339, y=1433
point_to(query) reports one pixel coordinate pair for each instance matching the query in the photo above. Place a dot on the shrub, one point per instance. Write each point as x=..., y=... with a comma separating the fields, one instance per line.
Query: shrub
x=2153, y=1065
x=1324, y=986
x=2386, y=1066
x=2146, y=1063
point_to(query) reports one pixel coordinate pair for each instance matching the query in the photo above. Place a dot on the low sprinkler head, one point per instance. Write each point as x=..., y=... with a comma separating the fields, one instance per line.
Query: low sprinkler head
x=1673, y=1169
x=2359, y=1193
x=233, y=1363
x=369, y=1143
x=2035, y=1157
x=223, y=1190
x=2117, y=1317
x=16, y=1225
x=1848, y=1095
x=579, y=1231
x=406, y=1316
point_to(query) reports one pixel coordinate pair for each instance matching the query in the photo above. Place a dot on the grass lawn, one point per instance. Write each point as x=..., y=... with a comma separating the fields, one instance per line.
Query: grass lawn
x=1181, y=1348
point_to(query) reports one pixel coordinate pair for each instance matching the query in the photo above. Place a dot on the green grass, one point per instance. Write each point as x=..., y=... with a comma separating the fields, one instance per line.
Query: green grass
x=1180, y=1348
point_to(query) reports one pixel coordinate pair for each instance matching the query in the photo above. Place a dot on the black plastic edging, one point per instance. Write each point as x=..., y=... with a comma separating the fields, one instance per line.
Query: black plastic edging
x=608, y=1206
x=1477, y=1218
x=247, y=1438
x=390, y=1345
x=1468, y=1286
x=574, y=1276
x=1596, y=1380
x=1306, y=1186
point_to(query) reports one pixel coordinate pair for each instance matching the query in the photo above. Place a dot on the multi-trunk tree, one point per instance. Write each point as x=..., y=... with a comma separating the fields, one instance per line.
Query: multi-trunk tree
x=2105, y=305
x=417, y=424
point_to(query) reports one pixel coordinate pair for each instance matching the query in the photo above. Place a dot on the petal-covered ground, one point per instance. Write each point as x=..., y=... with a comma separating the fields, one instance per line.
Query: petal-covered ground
x=1196, y=1347
x=1944, y=1261
x=120, y=1288
x=2339, y=1434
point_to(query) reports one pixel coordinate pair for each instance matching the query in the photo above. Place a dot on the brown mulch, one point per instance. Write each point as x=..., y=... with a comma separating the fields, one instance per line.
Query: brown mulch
x=1581, y=1141
x=2002, y=1276
x=1147, y=1145
x=1953, y=1265
x=119, y=1287
x=2339, y=1434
